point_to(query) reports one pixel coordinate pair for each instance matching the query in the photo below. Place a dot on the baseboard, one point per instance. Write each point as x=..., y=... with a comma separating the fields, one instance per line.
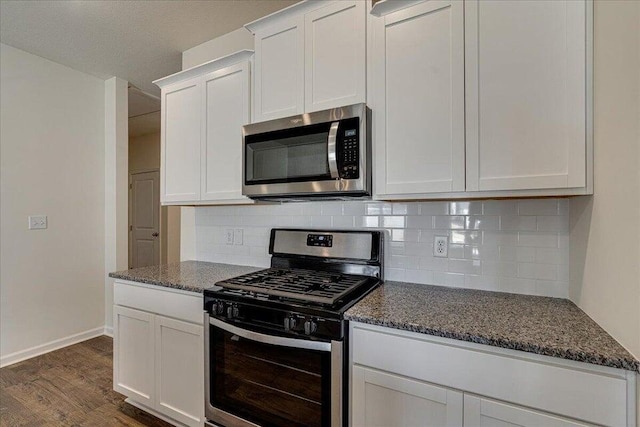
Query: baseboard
x=108, y=331
x=19, y=356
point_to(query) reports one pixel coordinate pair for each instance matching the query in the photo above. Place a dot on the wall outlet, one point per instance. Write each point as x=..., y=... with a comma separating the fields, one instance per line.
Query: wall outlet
x=38, y=222
x=441, y=246
x=229, y=236
x=237, y=236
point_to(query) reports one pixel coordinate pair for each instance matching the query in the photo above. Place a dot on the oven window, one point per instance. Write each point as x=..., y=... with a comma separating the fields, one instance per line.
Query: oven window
x=267, y=384
x=286, y=156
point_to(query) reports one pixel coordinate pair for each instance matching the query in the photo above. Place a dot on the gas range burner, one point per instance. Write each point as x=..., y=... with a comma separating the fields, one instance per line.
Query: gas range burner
x=322, y=287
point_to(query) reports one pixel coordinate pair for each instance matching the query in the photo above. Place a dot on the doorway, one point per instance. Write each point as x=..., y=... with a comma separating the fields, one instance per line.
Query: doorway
x=144, y=219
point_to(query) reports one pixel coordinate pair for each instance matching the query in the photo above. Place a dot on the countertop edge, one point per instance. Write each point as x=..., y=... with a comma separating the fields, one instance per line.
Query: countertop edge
x=158, y=283
x=593, y=359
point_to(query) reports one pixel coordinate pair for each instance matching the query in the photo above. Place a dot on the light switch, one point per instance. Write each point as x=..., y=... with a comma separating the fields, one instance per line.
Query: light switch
x=237, y=236
x=37, y=222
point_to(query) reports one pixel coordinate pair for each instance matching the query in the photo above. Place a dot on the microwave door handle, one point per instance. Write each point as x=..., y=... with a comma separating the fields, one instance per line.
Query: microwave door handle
x=332, y=157
x=270, y=339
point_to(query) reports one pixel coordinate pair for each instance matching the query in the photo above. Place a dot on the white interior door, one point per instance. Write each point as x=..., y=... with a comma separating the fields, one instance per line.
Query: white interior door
x=144, y=230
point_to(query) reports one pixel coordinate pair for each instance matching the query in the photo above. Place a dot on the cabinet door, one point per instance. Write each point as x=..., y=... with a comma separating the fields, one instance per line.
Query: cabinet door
x=335, y=46
x=226, y=110
x=382, y=399
x=279, y=70
x=180, y=370
x=133, y=354
x=526, y=94
x=180, y=148
x=418, y=100
x=481, y=412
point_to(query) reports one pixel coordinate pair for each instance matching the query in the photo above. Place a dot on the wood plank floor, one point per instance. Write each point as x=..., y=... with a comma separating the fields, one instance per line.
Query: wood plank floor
x=68, y=387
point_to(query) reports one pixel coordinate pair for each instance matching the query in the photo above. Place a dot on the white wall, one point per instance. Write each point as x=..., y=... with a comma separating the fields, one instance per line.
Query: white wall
x=519, y=246
x=144, y=152
x=605, y=228
x=52, y=163
x=221, y=46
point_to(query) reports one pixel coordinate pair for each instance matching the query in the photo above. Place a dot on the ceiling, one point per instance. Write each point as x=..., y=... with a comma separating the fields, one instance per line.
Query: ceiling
x=139, y=41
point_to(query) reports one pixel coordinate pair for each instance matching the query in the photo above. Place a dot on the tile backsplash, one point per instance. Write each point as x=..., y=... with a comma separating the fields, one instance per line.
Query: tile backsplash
x=518, y=246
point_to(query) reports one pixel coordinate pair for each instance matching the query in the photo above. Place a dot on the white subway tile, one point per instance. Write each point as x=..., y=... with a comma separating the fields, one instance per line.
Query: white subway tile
x=321, y=221
x=434, y=264
x=343, y=221
x=448, y=279
x=465, y=237
x=331, y=208
x=419, y=276
x=500, y=207
x=396, y=274
x=466, y=266
x=378, y=209
x=424, y=222
x=538, y=207
x=482, y=222
x=313, y=208
x=502, y=269
x=418, y=248
x=456, y=251
x=538, y=271
x=517, y=223
x=434, y=208
x=405, y=209
x=448, y=222
x=465, y=208
x=396, y=248
x=518, y=285
x=353, y=208
x=553, y=223
x=366, y=221
x=563, y=207
x=405, y=235
x=551, y=256
x=488, y=283
x=552, y=289
x=499, y=238
x=393, y=221
x=538, y=240
x=482, y=252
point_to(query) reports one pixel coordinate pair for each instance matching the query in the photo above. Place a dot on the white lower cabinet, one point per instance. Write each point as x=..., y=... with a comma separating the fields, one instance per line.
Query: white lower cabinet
x=481, y=412
x=401, y=378
x=159, y=360
x=382, y=399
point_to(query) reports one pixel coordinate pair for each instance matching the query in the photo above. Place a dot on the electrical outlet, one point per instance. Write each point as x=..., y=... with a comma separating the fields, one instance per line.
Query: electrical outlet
x=229, y=236
x=441, y=246
x=237, y=236
x=38, y=222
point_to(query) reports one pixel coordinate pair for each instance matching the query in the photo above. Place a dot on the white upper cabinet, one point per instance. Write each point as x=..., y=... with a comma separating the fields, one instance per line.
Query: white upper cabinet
x=526, y=94
x=335, y=48
x=279, y=70
x=226, y=110
x=417, y=100
x=310, y=56
x=180, y=142
x=203, y=111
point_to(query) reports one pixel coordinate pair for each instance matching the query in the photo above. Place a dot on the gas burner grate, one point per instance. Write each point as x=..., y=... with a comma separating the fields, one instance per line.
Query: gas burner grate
x=306, y=285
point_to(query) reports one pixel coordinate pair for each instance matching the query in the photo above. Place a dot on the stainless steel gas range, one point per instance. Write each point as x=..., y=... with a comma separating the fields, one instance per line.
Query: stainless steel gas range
x=276, y=339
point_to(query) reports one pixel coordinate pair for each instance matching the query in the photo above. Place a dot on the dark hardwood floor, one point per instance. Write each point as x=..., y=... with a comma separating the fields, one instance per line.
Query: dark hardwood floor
x=68, y=387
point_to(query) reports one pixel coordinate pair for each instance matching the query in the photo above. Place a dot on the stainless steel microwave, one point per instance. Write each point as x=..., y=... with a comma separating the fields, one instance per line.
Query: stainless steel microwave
x=326, y=154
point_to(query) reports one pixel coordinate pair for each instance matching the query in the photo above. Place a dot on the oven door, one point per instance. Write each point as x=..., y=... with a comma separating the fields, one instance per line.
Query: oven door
x=259, y=379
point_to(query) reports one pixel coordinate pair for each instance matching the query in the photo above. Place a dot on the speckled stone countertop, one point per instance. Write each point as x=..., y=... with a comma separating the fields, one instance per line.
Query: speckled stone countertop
x=194, y=276
x=549, y=326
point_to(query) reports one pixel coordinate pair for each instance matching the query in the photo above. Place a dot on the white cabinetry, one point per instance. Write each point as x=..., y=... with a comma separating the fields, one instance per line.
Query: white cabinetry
x=417, y=99
x=413, y=378
x=526, y=87
x=180, y=142
x=481, y=98
x=381, y=399
x=481, y=412
x=309, y=57
x=203, y=110
x=158, y=351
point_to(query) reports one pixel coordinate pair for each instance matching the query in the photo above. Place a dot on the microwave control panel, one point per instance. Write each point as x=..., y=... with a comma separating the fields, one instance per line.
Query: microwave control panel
x=349, y=148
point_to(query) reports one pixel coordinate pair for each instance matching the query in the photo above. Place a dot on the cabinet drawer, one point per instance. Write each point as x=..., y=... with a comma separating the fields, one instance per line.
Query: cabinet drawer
x=177, y=304
x=592, y=393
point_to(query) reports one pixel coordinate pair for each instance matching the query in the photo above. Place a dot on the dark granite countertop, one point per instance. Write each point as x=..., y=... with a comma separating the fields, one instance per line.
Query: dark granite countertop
x=194, y=276
x=548, y=326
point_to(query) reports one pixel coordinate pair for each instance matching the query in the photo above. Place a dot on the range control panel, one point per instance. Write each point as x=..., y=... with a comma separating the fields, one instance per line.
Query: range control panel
x=349, y=155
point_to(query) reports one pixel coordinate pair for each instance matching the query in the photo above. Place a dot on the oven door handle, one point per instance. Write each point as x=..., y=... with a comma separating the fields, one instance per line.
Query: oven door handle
x=332, y=156
x=270, y=339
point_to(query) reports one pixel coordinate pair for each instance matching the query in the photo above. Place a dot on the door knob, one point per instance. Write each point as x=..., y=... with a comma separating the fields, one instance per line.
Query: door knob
x=156, y=234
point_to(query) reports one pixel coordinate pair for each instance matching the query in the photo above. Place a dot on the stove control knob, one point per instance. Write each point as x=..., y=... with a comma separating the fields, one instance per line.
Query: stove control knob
x=290, y=323
x=310, y=327
x=236, y=311
x=217, y=308
x=230, y=312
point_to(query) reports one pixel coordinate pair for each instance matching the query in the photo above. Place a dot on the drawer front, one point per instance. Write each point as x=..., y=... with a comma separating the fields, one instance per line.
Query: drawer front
x=180, y=305
x=581, y=393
